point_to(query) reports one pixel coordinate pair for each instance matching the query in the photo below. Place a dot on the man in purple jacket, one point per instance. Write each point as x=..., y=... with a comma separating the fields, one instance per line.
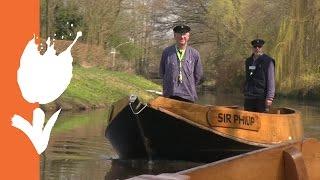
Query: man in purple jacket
x=180, y=67
x=260, y=82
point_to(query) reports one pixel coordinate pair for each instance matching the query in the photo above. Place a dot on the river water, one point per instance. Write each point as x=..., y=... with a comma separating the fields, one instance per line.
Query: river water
x=78, y=149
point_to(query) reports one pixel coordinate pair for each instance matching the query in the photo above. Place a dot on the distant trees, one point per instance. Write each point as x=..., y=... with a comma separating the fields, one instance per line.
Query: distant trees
x=221, y=30
x=297, y=48
x=67, y=20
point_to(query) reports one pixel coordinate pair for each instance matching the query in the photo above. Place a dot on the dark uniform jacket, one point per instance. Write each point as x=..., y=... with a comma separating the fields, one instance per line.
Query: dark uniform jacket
x=258, y=78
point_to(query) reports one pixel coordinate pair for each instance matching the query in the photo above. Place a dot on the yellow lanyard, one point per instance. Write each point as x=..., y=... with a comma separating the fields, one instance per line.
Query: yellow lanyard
x=180, y=54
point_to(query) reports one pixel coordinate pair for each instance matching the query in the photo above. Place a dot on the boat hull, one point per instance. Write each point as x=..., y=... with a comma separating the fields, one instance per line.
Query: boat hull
x=123, y=134
x=155, y=134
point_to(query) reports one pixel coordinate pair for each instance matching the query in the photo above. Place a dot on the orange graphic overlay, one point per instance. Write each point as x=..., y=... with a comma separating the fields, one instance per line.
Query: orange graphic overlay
x=18, y=158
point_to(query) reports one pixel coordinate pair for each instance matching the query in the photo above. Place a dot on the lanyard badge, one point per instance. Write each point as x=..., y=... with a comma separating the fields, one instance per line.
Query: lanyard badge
x=252, y=68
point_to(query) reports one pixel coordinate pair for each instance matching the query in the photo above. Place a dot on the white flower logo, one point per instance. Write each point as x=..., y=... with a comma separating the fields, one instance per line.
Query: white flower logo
x=42, y=79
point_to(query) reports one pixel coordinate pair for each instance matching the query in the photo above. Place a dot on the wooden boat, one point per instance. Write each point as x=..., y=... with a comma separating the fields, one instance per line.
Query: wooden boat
x=171, y=129
x=298, y=160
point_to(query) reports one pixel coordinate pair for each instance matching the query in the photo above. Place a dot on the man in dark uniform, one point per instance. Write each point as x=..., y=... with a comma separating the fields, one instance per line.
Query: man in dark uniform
x=180, y=67
x=259, y=87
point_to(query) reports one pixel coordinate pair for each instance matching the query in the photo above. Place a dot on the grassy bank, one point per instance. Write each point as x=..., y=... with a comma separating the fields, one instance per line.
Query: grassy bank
x=92, y=88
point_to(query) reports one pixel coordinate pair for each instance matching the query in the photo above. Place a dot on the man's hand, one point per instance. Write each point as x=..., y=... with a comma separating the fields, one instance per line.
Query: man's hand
x=268, y=102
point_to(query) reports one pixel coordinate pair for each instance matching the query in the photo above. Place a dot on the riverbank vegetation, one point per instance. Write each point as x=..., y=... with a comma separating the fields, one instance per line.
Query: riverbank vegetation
x=92, y=88
x=129, y=35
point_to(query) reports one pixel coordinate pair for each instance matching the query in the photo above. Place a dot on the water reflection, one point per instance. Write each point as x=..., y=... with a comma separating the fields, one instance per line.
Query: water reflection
x=78, y=149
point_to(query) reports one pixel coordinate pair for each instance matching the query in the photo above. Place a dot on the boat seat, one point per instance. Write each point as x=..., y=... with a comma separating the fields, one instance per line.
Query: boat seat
x=281, y=111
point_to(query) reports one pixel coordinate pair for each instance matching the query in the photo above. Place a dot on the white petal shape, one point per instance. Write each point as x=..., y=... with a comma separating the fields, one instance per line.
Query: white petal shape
x=38, y=135
x=43, y=78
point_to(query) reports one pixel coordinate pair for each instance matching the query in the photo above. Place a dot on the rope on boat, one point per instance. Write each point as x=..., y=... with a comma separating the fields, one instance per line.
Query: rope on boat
x=145, y=140
x=136, y=113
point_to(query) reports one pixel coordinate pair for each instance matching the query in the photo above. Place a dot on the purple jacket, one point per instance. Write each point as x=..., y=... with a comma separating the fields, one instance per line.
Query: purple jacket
x=192, y=73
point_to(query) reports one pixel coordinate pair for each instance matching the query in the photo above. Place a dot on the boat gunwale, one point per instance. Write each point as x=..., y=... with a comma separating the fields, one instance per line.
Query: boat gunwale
x=218, y=132
x=284, y=145
x=267, y=116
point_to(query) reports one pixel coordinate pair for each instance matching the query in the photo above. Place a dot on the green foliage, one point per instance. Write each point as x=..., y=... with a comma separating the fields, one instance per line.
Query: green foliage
x=295, y=50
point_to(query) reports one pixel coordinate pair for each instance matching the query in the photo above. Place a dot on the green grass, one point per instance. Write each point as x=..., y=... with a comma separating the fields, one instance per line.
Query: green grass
x=96, y=86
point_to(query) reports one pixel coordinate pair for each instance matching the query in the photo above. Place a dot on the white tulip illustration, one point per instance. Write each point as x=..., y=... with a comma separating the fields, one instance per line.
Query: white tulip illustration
x=39, y=138
x=42, y=79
